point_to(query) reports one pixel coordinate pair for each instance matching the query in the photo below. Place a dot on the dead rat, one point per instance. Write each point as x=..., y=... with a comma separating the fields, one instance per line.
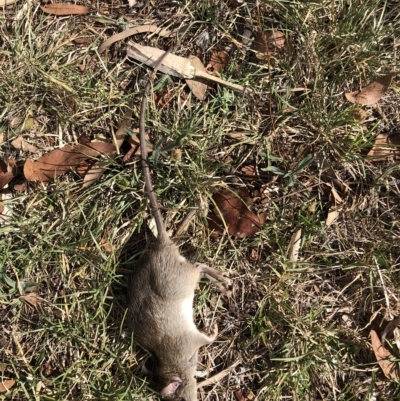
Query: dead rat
x=161, y=291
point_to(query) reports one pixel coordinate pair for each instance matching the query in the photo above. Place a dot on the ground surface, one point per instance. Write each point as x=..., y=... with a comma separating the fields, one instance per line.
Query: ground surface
x=296, y=328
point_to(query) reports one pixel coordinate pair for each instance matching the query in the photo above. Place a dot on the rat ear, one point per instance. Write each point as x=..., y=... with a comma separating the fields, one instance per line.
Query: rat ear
x=172, y=386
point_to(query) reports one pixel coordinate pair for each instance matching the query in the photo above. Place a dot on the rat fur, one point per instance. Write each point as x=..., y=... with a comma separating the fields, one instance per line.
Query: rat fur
x=160, y=307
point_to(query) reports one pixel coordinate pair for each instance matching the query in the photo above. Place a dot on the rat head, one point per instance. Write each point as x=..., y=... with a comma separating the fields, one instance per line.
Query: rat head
x=178, y=389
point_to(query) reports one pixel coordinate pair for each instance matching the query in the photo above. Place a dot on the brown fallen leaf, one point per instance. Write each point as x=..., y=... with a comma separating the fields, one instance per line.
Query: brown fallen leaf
x=93, y=173
x=6, y=385
x=7, y=171
x=83, y=40
x=371, y=93
x=64, y=9
x=31, y=299
x=218, y=61
x=233, y=208
x=249, y=170
x=386, y=147
x=20, y=187
x=390, y=369
x=59, y=161
x=269, y=43
x=21, y=144
x=198, y=88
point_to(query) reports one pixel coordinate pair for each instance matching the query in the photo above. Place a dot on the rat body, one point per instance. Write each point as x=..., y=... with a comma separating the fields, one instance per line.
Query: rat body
x=161, y=293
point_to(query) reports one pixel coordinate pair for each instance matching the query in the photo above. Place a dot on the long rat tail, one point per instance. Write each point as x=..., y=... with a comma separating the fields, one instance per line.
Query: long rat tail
x=155, y=209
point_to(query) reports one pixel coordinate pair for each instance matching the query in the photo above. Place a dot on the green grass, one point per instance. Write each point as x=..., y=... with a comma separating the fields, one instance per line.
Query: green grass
x=299, y=329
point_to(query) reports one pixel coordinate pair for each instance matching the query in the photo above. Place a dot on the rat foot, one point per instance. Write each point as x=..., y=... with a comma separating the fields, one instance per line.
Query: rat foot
x=214, y=276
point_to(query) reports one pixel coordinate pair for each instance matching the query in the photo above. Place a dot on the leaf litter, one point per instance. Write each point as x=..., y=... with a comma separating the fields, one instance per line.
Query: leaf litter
x=59, y=161
x=232, y=210
x=7, y=171
x=371, y=93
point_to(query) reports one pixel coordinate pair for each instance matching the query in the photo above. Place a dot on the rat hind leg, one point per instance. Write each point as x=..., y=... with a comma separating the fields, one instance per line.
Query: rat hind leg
x=214, y=276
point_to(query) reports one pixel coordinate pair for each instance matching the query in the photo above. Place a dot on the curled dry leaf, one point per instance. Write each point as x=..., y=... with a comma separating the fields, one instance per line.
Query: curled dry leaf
x=59, y=161
x=386, y=146
x=21, y=144
x=371, y=93
x=7, y=171
x=6, y=385
x=64, y=9
x=233, y=207
x=218, y=61
x=198, y=88
x=390, y=369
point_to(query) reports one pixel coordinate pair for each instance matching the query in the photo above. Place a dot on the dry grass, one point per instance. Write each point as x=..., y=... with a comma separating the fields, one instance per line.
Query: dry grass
x=300, y=331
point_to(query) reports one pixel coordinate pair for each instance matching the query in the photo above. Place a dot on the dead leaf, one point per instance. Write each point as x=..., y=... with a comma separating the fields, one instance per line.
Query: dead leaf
x=386, y=146
x=332, y=216
x=29, y=123
x=176, y=66
x=83, y=40
x=1, y=137
x=15, y=121
x=218, y=61
x=7, y=171
x=59, y=161
x=21, y=144
x=239, y=396
x=233, y=208
x=390, y=369
x=93, y=173
x=198, y=88
x=31, y=299
x=5, y=208
x=371, y=93
x=6, y=385
x=294, y=246
x=269, y=43
x=249, y=171
x=20, y=187
x=135, y=146
x=64, y=9
x=241, y=136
